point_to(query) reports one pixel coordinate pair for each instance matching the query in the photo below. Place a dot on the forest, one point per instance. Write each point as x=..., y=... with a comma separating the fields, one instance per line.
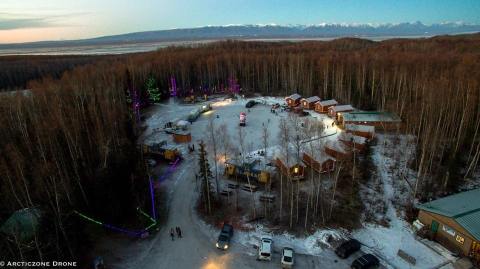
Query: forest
x=71, y=144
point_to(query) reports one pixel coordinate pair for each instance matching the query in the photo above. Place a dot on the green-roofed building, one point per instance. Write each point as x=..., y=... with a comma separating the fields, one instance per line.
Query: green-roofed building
x=382, y=120
x=455, y=221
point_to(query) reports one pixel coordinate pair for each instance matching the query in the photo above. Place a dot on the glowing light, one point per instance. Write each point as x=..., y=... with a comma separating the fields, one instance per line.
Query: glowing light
x=173, y=84
x=295, y=170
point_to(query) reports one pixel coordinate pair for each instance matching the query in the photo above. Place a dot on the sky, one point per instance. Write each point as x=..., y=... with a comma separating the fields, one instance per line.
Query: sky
x=36, y=20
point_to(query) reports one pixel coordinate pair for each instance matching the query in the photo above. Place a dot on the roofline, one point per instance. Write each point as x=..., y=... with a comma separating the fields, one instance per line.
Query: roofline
x=455, y=220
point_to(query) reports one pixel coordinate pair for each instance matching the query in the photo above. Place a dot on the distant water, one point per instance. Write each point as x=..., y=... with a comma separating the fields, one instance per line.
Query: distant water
x=113, y=49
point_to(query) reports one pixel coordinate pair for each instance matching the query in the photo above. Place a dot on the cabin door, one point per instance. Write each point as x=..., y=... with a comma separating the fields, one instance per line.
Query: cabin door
x=434, y=227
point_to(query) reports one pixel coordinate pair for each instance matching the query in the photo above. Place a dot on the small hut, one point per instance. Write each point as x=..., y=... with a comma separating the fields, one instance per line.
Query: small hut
x=293, y=100
x=182, y=137
x=336, y=111
x=338, y=150
x=361, y=130
x=356, y=142
x=322, y=106
x=319, y=161
x=309, y=103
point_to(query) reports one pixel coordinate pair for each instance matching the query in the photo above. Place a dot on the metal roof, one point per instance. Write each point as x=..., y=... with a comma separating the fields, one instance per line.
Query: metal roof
x=342, y=108
x=312, y=99
x=371, y=117
x=463, y=207
x=331, y=102
x=295, y=96
x=360, y=128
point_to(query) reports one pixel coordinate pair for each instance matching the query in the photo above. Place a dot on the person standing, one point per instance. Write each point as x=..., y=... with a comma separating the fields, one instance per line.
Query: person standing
x=172, y=234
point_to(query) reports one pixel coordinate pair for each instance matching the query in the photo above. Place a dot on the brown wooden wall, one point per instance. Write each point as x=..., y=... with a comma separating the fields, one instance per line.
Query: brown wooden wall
x=444, y=238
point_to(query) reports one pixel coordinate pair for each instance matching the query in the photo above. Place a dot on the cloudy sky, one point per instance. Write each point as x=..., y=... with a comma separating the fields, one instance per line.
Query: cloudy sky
x=34, y=20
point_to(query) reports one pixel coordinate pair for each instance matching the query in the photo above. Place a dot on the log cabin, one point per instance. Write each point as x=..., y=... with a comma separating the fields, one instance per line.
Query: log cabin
x=338, y=150
x=336, y=111
x=366, y=131
x=454, y=222
x=309, y=103
x=358, y=143
x=293, y=100
x=319, y=161
x=322, y=106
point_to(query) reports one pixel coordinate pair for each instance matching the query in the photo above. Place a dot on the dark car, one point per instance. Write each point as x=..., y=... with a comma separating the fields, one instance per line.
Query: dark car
x=347, y=248
x=250, y=104
x=367, y=261
x=223, y=241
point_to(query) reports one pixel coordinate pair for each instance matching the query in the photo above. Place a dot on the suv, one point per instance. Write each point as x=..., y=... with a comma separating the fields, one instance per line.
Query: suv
x=347, y=248
x=287, y=258
x=250, y=104
x=265, y=249
x=365, y=262
x=226, y=234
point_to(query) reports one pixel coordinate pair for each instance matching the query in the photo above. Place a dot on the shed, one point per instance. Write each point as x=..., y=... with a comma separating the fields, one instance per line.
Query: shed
x=334, y=111
x=366, y=131
x=293, y=100
x=338, y=150
x=354, y=141
x=454, y=221
x=384, y=120
x=182, y=137
x=319, y=161
x=309, y=103
x=322, y=106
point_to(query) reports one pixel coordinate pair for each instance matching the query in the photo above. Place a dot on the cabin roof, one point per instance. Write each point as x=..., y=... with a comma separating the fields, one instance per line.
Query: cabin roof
x=463, y=207
x=347, y=137
x=312, y=99
x=371, y=117
x=295, y=96
x=360, y=128
x=331, y=102
x=342, y=108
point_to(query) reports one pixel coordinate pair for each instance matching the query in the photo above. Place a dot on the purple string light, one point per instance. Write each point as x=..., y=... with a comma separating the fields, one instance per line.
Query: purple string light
x=173, y=83
x=153, y=198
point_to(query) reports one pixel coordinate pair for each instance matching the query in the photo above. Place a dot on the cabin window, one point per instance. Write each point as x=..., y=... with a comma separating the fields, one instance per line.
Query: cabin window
x=460, y=239
x=448, y=230
x=295, y=170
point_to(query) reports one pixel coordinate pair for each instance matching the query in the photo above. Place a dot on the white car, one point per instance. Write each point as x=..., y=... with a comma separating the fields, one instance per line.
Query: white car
x=287, y=258
x=265, y=249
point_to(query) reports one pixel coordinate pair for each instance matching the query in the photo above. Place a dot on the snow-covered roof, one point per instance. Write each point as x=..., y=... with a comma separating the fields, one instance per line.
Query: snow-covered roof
x=341, y=108
x=295, y=96
x=360, y=128
x=331, y=102
x=312, y=99
x=347, y=137
x=371, y=117
x=337, y=146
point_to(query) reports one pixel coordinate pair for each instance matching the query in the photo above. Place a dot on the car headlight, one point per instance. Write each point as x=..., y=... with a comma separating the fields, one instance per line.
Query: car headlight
x=216, y=245
x=225, y=247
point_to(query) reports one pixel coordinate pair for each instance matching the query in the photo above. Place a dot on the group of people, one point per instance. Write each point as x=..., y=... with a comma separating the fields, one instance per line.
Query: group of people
x=177, y=230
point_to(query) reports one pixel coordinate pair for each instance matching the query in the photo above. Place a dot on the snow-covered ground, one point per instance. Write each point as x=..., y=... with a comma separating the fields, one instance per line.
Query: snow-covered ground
x=386, y=241
x=197, y=249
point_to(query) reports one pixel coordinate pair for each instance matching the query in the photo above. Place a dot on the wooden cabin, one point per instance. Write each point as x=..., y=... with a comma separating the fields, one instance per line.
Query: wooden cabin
x=336, y=111
x=338, y=150
x=322, y=106
x=309, y=103
x=356, y=142
x=298, y=110
x=292, y=170
x=382, y=120
x=182, y=137
x=293, y=100
x=454, y=222
x=320, y=162
x=366, y=131
x=254, y=168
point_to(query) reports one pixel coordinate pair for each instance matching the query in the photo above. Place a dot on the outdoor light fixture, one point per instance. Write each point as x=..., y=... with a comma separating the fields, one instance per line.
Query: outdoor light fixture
x=295, y=170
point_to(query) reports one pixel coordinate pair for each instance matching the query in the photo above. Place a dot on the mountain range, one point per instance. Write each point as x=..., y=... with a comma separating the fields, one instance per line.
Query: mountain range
x=267, y=31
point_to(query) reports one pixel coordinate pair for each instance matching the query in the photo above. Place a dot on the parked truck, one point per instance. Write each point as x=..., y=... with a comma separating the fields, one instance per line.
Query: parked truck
x=163, y=150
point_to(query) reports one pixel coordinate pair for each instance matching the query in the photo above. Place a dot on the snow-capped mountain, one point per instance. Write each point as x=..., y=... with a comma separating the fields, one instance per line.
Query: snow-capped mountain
x=272, y=30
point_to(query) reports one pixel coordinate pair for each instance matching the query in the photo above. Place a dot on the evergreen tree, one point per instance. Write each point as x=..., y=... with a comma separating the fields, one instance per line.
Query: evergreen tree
x=154, y=93
x=206, y=178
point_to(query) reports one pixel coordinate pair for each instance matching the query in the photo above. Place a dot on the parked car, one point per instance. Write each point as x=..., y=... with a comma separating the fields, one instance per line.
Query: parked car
x=265, y=249
x=223, y=241
x=250, y=104
x=366, y=261
x=347, y=248
x=287, y=258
